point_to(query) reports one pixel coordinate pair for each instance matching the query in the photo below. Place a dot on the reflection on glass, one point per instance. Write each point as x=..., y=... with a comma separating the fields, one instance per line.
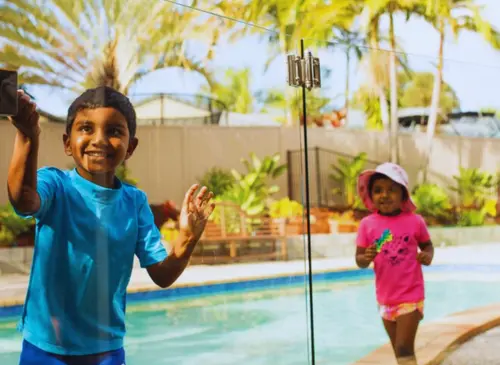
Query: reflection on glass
x=210, y=102
x=380, y=107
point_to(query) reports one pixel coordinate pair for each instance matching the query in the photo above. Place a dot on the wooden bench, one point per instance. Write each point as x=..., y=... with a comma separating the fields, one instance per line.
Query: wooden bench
x=236, y=237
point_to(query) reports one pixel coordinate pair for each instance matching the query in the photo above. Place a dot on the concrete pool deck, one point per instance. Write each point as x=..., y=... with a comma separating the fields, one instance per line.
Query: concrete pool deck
x=438, y=340
x=435, y=340
x=13, y=287
x=483, y=346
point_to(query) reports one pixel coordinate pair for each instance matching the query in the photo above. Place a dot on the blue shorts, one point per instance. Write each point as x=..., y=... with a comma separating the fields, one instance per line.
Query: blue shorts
x=32, y=355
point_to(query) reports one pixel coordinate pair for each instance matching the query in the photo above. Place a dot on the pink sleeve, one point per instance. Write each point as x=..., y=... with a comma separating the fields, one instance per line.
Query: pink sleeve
x=362, y=237
x=422, y=231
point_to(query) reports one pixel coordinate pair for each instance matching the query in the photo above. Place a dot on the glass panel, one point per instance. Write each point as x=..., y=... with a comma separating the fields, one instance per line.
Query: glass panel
x=454, y=188
x=213, y=108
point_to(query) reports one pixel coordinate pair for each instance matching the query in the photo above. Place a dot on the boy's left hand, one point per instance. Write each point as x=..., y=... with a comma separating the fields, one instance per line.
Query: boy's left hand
x=195, y=213
x=425, y=258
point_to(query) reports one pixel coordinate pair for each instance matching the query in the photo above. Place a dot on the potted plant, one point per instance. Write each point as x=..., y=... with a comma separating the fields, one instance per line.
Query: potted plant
x=319, y=220
x=343, y=222
x=476, y=190
x=169, y=231
x=433, y=203
x=15, y=230
x=290, y=212
x=346, y=173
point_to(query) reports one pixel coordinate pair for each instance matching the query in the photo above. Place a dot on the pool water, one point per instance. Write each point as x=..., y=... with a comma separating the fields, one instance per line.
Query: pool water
x=269, y=327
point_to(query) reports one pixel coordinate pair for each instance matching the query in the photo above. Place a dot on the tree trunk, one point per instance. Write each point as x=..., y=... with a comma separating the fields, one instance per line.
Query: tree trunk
x=347, y=86
x=384, y=112
x=374, y=45
x=434, y=108
x=394, y=93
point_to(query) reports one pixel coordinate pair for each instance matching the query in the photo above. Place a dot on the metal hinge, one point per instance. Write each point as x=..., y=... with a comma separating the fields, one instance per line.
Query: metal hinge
x=304, y=72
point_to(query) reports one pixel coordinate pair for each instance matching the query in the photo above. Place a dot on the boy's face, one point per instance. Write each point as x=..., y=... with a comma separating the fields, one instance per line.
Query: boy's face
x=99, y=142
x=387, y=195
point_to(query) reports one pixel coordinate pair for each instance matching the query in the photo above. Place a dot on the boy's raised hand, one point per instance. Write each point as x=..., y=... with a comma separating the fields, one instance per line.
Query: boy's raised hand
x=27, y=118
x=195, y=212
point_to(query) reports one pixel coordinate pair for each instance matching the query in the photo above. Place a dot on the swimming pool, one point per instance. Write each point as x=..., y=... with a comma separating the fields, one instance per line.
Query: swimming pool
x=269, y=326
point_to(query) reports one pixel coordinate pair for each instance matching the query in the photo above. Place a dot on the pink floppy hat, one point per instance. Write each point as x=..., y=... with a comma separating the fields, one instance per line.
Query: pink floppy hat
x=394, y=172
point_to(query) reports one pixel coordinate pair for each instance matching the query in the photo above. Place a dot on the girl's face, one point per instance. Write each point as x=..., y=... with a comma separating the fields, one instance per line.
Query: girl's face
x=387, y=195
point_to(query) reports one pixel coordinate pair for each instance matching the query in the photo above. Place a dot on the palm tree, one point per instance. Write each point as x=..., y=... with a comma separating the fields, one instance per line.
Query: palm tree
x=76, y=45
x=350, y=42
x=287, y=22
x=235, y=92
x=458, y=15
x=373, y=12
x=374, y=93
x=276, y=99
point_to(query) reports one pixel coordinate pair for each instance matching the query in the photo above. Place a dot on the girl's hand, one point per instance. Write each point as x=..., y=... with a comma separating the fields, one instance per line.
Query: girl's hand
x=425, y=258
x=370, y=253
x=195, y=213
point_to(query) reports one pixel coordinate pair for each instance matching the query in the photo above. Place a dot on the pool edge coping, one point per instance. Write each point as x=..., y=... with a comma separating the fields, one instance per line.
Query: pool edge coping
x=436, y=340
x=145, y=288
x=152, y=288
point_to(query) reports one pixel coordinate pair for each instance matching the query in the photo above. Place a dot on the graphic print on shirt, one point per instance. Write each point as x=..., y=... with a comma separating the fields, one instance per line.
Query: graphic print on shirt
x=393, y=249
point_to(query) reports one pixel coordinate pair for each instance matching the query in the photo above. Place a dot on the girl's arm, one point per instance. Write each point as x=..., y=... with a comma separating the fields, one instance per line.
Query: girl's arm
x=426, y=254
x=365, y=256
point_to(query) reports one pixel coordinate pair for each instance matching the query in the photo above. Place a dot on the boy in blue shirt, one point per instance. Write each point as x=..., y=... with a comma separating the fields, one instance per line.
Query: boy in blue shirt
x=89, y=226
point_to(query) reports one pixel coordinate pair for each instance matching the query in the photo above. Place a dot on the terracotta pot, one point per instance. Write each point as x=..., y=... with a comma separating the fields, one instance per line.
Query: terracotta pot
x=294, y=228
x=347, y=227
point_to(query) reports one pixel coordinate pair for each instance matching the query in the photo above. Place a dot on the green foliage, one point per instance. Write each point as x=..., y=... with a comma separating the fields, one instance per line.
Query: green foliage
x=234, y=91
x=123, y=174
x=432, y=201
x=11, y=225
x=346, y=172
x=476, y=190
x=275, y=99
x=286, y=208
x=496, y=111
x=477, y=217
x=417, y=89
x=369, y=103
x=252, y=189
x=217, y=180
x=231, y=217
x=143, y=35
x=474, y=187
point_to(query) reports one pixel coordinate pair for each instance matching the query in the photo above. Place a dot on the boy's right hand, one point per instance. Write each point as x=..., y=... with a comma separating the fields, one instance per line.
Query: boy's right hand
x=27, y=118
x=370, y=253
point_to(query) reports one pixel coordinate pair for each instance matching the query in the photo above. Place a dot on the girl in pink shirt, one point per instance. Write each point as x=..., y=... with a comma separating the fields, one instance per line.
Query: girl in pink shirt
x=398, y=242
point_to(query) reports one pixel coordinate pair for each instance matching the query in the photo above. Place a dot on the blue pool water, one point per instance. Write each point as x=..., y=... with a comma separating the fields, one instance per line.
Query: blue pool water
x=269, y=326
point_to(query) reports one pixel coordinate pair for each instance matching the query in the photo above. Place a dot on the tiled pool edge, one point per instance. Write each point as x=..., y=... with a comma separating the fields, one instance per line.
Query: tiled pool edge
x=12, y=306
x=135, y=293
x=436, y=340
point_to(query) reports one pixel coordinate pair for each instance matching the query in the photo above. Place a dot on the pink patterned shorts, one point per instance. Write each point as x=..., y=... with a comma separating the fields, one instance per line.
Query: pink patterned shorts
x=391, y=312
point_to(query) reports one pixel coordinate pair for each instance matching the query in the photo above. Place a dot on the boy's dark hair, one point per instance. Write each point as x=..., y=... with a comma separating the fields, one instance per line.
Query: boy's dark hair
x=103, y=97
x=378, y=176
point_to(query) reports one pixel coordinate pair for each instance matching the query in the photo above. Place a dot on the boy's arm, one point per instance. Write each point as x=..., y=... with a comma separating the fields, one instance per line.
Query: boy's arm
x=163, y=269
x=166, y=272
x=22, y=175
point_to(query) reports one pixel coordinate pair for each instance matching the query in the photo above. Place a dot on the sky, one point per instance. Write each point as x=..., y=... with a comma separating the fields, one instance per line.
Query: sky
x=471, y=66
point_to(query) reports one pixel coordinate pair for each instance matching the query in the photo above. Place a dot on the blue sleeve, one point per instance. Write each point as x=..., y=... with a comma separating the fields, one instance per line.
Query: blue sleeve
x=149, y=249
x=46, y=187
